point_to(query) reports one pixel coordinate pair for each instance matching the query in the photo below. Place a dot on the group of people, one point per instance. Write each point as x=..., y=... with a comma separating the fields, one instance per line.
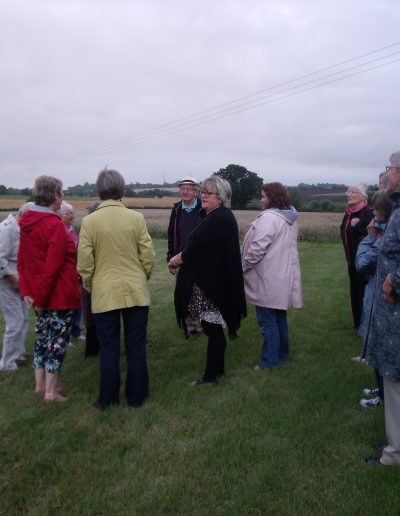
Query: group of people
x=371, y=239
x=214, y=279
x=113, y=260
x=43, y=263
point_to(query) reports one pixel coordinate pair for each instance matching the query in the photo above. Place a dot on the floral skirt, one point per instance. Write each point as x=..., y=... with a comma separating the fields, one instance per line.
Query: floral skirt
x=201, y=307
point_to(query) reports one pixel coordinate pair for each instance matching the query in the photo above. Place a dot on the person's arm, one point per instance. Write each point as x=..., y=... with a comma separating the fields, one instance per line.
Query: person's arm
x=170, y=234
x=367, y=254
x=6, y=271
x=55, y=257
x=360, y=227
x=85, y=264
x=391, y=285
x=262, y=238
x=145, y=249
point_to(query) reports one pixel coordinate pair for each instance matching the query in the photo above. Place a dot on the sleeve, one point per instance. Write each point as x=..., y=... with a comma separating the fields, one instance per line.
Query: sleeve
x=367, y=254
x=262, y=238
x=85, y=257
x=395, y=274
x=145, y=249
x=55, y=256
x=361, y=227
x=170, y=233
x=5, y=246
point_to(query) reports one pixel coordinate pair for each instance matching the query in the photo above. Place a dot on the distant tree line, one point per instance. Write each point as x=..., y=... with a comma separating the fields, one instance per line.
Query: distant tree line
x=246, y=191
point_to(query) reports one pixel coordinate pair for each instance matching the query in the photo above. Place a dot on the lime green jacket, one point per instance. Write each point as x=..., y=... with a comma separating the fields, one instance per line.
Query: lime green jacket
x=115, y=257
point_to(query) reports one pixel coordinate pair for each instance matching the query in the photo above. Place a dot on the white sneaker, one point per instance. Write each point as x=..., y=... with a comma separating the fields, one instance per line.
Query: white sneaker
x=11, y=367
x=372, y=403
x=371, y=392
x=81, y=338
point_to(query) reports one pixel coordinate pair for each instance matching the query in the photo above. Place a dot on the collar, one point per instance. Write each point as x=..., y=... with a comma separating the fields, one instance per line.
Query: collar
x=42, y=209
x=189, y=208
x=110, y=202
x=355, y=210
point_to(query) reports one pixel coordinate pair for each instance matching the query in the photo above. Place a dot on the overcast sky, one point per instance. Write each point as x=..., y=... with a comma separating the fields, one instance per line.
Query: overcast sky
x=85, y=83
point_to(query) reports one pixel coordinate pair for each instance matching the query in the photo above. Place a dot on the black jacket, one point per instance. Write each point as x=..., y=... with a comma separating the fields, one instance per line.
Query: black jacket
x=352, y=235
x=211, y=259
x=174, y=242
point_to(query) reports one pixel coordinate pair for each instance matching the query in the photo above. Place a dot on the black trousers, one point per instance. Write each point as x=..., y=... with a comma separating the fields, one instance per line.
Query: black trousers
x=357, y=287
x=135, y=334
x=215, y=364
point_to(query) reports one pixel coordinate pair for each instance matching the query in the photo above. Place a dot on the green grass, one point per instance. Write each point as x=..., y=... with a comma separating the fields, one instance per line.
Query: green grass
x=290, y=441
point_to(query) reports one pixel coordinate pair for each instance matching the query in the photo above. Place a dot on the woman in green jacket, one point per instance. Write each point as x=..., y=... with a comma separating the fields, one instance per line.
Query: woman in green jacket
x=115, y=260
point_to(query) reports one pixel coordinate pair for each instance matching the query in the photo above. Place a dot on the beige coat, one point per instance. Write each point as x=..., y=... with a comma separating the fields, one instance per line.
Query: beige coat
x=115, y=257
x=270, y=261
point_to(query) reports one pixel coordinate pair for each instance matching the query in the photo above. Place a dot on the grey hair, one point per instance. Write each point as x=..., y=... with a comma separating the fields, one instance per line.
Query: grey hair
x=110, y=185
x=65, y=206
x=395, y=159
x=383, y=180
x=222, y=187
x=45, y=190
x=362, y=188
x=25, y=207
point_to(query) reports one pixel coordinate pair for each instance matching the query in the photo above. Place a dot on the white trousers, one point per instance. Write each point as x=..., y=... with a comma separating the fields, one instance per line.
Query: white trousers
x=392, y=419
x=15, y=315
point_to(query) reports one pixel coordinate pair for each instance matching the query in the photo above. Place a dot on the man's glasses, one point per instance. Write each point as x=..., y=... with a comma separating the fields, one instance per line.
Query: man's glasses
x=392, y=166
x=186, y=190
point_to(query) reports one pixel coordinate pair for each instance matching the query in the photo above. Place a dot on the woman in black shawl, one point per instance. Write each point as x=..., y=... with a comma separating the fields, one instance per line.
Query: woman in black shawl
x=210, y=279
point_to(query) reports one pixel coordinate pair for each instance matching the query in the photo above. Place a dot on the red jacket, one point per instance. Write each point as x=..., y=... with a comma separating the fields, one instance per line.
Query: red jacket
x=47, y=262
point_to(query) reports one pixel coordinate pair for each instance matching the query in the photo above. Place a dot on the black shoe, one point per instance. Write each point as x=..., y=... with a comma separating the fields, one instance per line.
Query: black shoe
x=200, y=381
x=373, y=461
x=379, y=446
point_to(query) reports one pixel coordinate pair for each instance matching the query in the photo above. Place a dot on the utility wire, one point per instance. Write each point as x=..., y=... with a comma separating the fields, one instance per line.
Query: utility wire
x=236, y=106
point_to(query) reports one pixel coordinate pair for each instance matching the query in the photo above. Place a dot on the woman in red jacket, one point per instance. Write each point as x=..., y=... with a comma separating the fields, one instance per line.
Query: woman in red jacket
x=48, y=282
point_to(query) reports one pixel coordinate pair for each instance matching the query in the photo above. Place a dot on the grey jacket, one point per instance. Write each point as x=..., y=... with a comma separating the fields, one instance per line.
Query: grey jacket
x=9, y=244
x=383, y=337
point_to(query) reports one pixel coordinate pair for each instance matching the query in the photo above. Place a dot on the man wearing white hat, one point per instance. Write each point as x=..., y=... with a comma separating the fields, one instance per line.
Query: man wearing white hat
x=185, y=215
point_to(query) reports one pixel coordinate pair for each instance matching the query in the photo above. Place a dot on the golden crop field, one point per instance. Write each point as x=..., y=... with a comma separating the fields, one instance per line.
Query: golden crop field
x=313, y=226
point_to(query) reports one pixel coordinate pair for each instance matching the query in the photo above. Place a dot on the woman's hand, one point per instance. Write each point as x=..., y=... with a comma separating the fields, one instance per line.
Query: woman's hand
x=28, y=300
x=13, y=279
x=387, y=288
x=372, y=229
x=175, y=261
x=354, y=221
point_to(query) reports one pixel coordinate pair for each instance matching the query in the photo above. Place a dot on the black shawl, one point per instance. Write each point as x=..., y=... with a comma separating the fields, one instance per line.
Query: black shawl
x=212, y=260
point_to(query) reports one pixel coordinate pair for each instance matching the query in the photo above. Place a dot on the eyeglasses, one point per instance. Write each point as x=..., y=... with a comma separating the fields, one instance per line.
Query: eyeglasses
x=392, y=166
x=353, y=192
x=186, y=190
x=208, y=194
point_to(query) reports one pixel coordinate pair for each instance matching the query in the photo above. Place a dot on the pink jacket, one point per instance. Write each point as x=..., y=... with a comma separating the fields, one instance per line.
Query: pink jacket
x=270, y=260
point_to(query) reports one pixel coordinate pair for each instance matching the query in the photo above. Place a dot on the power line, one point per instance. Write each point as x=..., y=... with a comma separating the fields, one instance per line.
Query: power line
x=237, y=106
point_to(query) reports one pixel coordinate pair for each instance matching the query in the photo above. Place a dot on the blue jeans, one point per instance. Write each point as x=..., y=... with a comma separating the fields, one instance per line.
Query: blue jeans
x=108, y=334
x=274, y=330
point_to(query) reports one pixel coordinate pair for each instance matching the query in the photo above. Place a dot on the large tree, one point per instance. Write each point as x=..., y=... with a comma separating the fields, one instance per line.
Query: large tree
x=245, y=185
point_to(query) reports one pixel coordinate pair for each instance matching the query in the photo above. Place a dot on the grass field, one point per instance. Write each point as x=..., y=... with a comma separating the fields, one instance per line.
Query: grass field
x=286, y=442
x=314, y=227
